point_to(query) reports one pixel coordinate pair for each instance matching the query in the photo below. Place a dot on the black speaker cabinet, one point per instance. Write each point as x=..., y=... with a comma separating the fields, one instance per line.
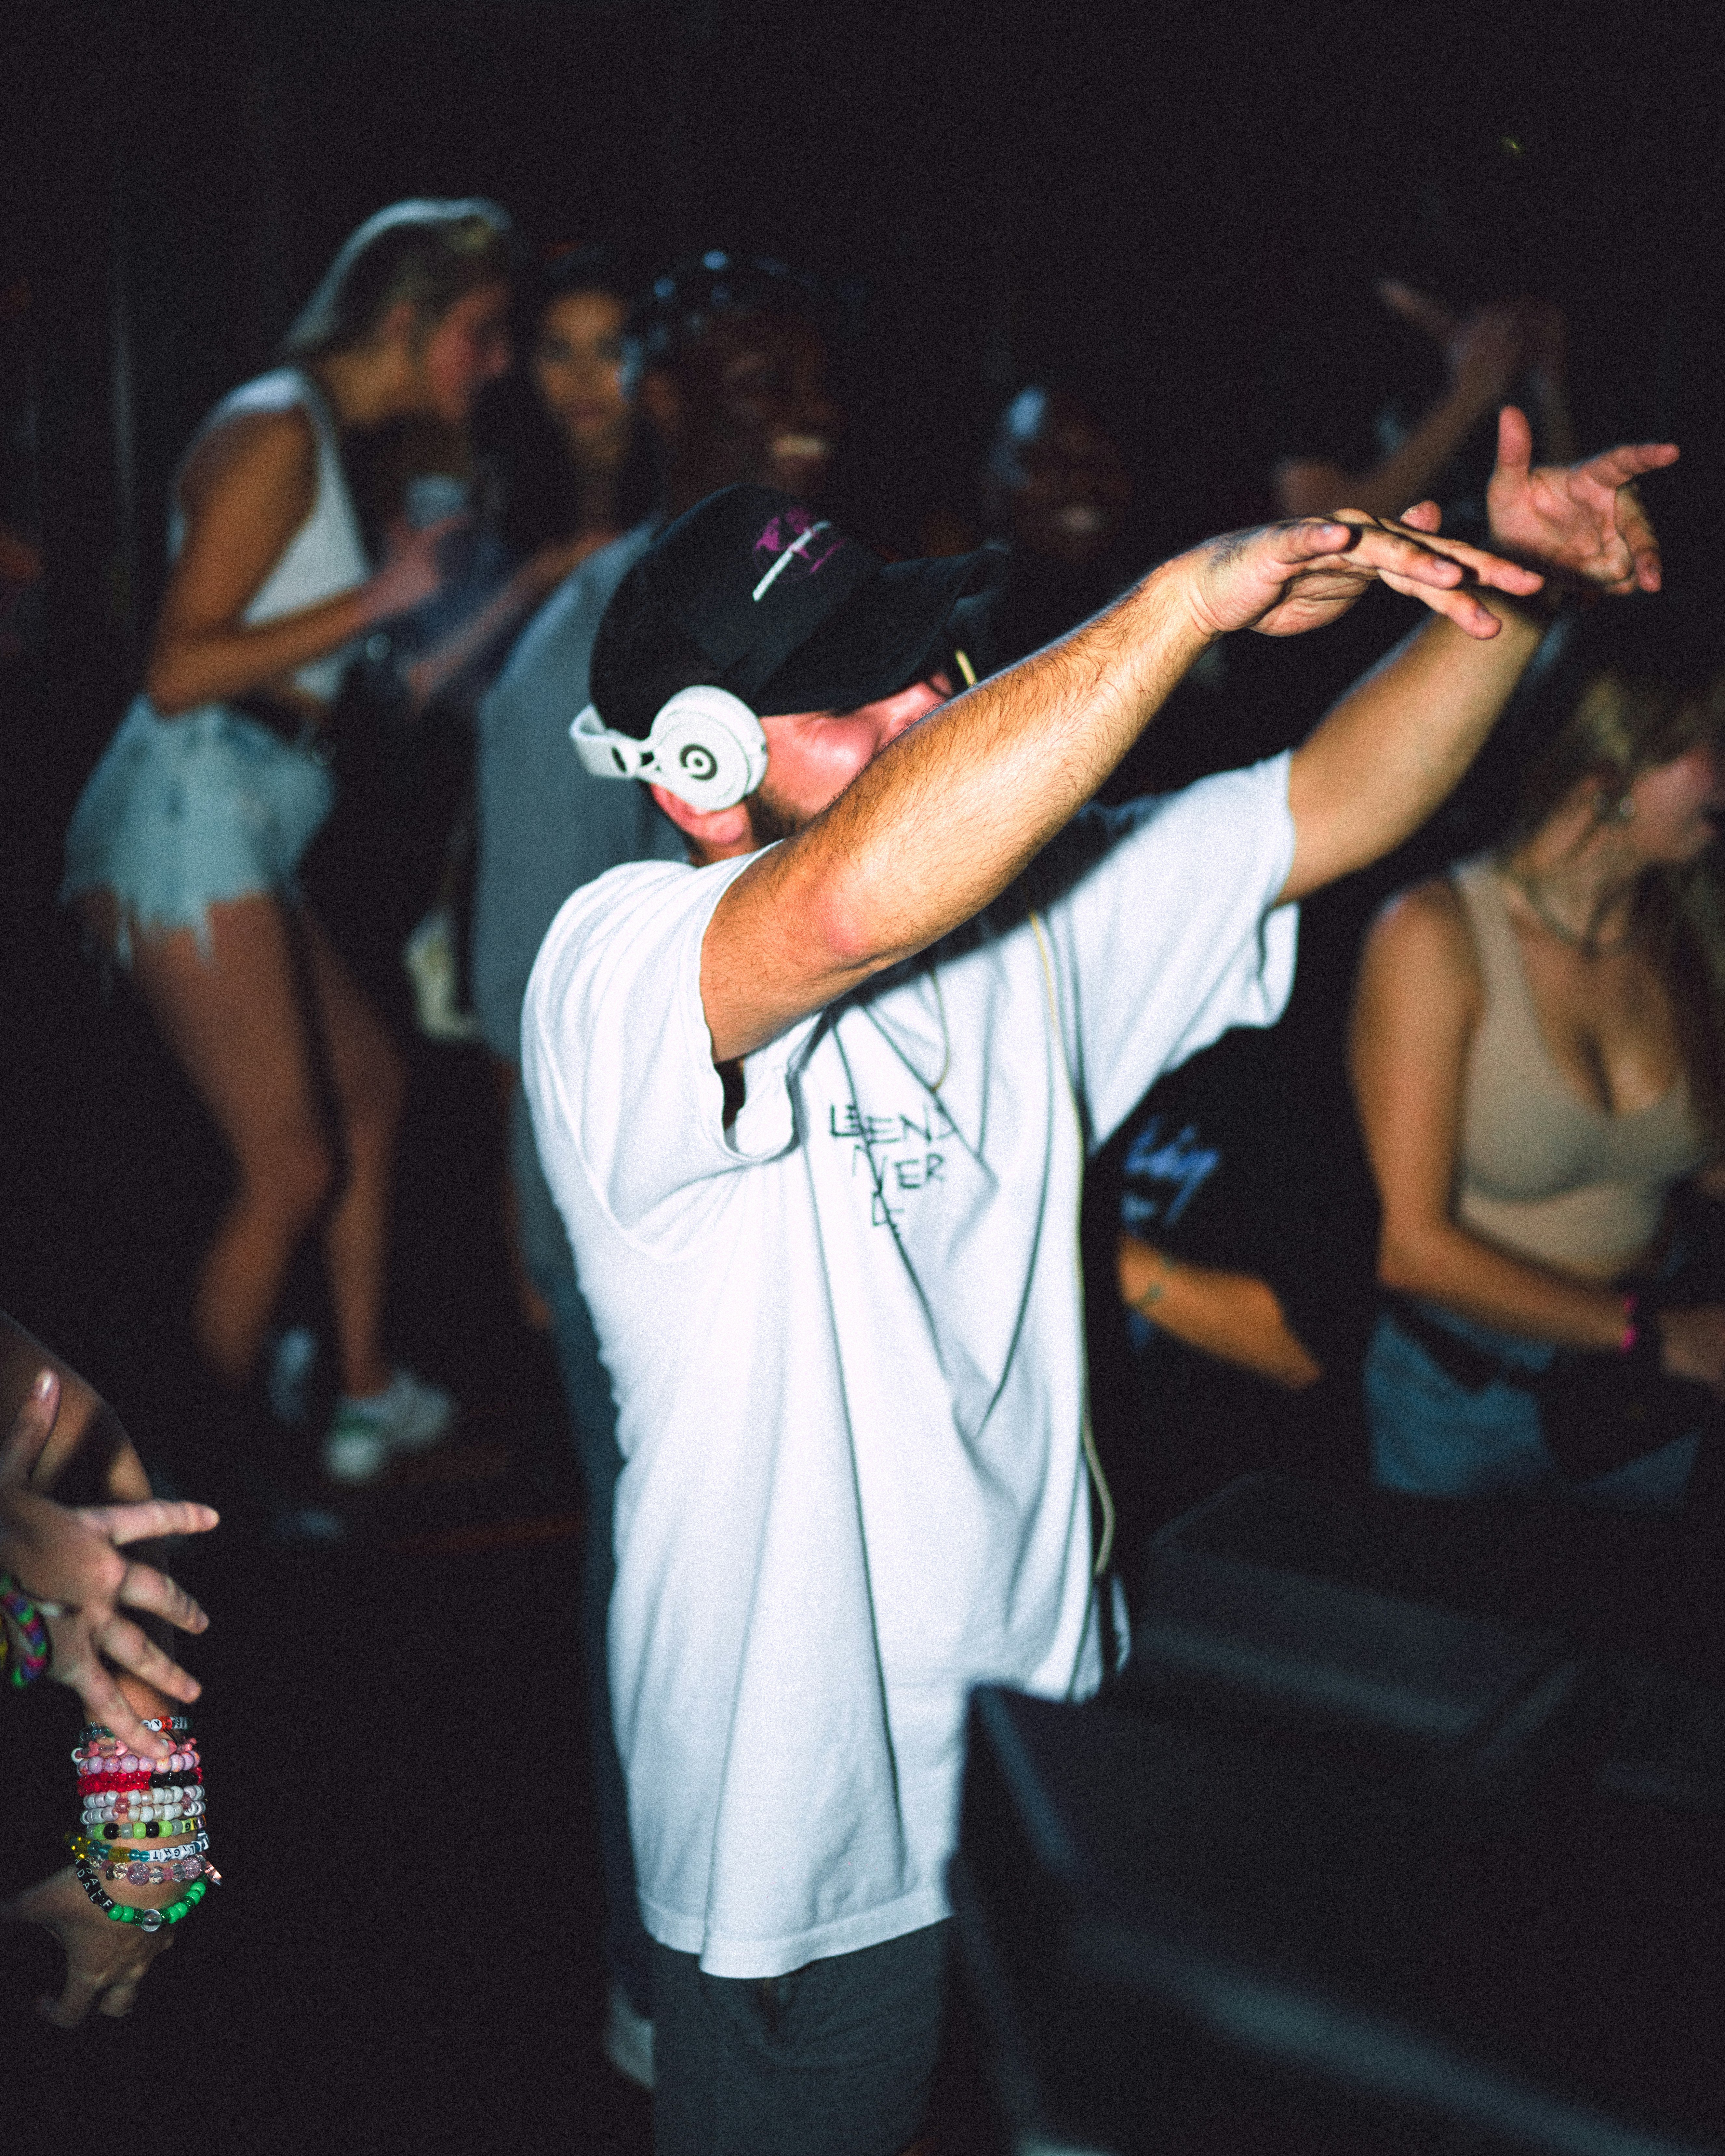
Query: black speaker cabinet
x=1404, y=1830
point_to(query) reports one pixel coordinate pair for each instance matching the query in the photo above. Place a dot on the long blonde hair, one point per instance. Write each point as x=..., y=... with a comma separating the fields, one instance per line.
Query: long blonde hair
x=1629, y=719
x=430, y=254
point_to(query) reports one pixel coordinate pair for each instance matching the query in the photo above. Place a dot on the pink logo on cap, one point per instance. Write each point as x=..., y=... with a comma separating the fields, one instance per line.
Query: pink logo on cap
x=788, y=536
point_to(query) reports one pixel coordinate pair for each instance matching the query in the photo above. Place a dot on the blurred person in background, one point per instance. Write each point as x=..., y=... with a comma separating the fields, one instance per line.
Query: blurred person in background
x=564, y=466
x=1464, y=322
x=1489, y=353
x=561, y=465
x=183, y=850
x=1226, y=1186
x=1056, y=491
x=728, y=364
x=1414, y=363
x=1242, y=1215
x=1538, y=1053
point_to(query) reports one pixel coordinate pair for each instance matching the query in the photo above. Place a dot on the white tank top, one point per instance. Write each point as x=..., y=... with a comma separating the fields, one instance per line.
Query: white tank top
x=325, y=556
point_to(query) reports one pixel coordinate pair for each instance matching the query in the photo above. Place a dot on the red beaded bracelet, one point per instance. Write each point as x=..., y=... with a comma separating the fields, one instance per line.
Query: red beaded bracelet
x=119, y=1785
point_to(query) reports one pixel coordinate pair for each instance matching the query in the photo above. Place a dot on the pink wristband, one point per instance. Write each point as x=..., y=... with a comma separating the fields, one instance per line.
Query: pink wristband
x=1632, y=1331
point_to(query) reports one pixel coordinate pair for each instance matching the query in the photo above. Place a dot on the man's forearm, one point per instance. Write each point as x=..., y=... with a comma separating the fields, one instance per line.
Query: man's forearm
x=1399, y=742
x=942, y=821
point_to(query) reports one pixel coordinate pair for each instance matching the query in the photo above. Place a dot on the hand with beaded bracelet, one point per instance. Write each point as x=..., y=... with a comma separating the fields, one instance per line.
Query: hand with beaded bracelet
x=69, y=1565
x=75, y=1557
x=112, y=1928
x=106, y=1959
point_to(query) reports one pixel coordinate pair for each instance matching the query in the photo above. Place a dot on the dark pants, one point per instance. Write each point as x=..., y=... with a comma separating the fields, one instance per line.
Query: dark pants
x=836, y=2059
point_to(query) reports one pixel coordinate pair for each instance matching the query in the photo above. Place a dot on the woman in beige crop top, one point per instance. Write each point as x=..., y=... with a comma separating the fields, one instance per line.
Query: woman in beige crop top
x=1538, y=1044
x=183, y=850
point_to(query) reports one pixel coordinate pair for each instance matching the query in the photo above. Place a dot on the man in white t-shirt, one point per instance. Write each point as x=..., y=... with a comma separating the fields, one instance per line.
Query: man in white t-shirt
x=816, y=1118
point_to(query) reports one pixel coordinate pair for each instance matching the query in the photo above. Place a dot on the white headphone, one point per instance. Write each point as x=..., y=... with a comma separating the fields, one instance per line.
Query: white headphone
x=706, y=747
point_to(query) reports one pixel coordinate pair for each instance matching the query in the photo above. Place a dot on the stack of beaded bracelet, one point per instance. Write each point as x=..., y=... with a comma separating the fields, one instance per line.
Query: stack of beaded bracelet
x=125, y=1795
x=134, y=1802
x=25, y=1634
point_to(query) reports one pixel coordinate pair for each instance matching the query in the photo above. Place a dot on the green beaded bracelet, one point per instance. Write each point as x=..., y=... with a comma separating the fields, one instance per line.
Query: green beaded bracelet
x=123, y=1912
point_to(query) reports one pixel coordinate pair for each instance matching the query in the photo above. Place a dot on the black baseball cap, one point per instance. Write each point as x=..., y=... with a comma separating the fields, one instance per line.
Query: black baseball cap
x=755, y=592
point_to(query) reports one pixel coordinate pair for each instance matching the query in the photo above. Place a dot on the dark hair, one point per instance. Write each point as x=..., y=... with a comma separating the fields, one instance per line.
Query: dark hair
x=430, y=254
x=600, y=266
x=532, y=481
x=688, y=298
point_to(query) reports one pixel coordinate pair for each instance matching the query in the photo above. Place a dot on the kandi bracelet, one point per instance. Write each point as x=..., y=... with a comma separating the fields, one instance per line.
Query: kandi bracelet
x=146, y=1920
x=29, y=1635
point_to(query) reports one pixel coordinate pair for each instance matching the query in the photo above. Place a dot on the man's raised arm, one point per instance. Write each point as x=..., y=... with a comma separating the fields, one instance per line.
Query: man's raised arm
x=943, y=819
x=1399, y=741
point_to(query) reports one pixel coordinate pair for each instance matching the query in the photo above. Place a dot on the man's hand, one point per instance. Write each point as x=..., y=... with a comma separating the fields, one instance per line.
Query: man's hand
x=1287, y=579
x=71, y=1557
x=105, y=1962
x=1581, y=520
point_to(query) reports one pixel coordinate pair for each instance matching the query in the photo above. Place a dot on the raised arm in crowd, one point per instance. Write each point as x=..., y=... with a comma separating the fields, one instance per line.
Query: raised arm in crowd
x=929, y=832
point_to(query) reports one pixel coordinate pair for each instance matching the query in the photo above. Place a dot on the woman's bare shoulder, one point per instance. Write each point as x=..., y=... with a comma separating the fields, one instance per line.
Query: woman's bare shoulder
x=1431, y=911
x=270, y=455
x=1422, y=934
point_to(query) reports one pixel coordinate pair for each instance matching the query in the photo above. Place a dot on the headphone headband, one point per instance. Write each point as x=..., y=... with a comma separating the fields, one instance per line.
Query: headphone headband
x=705, y=746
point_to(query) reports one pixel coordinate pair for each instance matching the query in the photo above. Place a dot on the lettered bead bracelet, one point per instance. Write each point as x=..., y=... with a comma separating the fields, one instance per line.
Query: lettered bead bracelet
x=166, y=1867
x=142, y=1822
x=146, y=1920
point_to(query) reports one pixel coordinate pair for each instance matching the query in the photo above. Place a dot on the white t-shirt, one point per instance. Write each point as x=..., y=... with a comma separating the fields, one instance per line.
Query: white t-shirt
x=847, y=1341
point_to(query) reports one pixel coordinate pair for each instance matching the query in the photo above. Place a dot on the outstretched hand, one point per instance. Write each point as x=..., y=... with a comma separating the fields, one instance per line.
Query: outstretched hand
x=105, y=1962
x=71, y=1558
x=1583, y=520
x=1287, y=579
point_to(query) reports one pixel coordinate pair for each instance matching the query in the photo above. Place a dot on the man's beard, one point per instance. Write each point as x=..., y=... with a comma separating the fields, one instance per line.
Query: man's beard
x=770, y=820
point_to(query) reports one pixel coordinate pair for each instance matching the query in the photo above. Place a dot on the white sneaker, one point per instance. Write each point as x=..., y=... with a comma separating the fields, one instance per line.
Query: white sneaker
x=429, y=956
x=628, y=2040
x=353, y=1453
x=408, y=1415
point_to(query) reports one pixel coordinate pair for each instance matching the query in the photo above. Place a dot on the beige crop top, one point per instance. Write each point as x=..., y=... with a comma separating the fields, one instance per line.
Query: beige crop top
x=1542, y=1171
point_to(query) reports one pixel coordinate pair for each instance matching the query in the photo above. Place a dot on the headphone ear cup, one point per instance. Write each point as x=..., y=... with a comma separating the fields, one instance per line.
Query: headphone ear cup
x=708, y=748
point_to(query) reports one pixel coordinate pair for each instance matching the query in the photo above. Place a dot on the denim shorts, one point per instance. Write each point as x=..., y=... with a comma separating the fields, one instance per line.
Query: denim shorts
x=1433, y=1436
x=184, y=814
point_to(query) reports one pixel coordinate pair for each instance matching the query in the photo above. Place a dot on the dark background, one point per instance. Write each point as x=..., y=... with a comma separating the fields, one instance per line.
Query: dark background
x=1181, y=210
x=1182, y=207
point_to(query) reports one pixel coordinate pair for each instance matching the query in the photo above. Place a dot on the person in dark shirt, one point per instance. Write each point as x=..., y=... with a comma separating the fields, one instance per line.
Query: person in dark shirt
x=1235, y=1223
